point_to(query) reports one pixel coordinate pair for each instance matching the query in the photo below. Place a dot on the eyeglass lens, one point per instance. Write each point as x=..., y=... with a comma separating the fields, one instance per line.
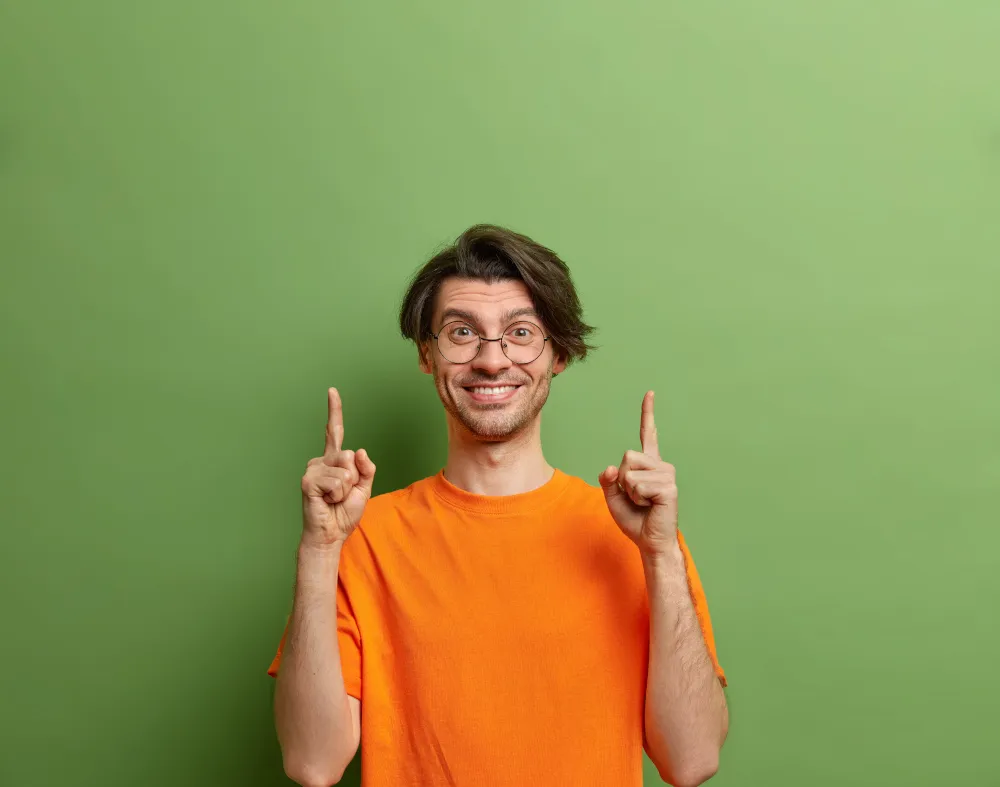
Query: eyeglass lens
x=522, y=342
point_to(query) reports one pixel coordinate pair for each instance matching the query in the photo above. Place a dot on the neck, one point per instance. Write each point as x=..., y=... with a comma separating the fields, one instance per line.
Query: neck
x=501, y=467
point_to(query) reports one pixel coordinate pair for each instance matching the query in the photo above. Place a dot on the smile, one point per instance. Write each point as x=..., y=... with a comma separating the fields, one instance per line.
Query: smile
x=495, y=393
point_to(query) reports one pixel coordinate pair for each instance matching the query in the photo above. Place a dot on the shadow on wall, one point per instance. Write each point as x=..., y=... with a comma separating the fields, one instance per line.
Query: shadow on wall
x=404, y=429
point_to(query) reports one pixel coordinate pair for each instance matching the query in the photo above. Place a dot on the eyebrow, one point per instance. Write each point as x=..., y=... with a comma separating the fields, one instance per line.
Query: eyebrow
x=506, y=318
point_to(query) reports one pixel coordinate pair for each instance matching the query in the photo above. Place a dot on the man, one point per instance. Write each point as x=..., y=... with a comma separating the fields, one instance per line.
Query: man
x=491, y=625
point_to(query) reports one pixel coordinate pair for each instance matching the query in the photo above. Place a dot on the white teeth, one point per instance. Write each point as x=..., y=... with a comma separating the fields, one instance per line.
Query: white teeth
x=493, y=391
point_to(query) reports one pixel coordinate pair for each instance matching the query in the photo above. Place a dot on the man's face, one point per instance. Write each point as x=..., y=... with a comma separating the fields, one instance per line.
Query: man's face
x=489, y=309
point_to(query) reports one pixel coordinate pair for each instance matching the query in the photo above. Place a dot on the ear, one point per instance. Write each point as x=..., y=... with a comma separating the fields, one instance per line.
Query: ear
x=424, y=357
x=559, y=365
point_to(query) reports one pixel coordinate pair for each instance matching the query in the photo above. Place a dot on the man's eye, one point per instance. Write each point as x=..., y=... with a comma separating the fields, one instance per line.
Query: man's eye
x=461, y=334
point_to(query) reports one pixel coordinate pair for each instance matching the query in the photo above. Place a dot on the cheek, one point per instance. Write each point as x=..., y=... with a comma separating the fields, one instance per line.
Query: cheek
x=540, y=372
x=443, y=381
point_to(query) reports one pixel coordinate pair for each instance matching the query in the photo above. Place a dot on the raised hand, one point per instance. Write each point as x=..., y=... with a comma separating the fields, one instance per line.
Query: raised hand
x=642, y=491
x=336, y=486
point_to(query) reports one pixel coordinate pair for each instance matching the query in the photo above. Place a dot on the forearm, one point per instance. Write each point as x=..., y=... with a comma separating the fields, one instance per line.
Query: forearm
x=312, y=714
x=686, y=716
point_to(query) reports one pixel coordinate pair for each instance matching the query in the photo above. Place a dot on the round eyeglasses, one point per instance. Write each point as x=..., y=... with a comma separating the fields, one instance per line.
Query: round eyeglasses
x=459, y=342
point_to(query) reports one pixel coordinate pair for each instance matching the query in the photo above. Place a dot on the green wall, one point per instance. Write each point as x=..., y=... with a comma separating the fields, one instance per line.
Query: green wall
x=783, y=216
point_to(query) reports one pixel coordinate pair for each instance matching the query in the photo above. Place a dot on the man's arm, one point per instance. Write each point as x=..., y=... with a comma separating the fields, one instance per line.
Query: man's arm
x=686, y=716
x=318, y=724
x=686, y=719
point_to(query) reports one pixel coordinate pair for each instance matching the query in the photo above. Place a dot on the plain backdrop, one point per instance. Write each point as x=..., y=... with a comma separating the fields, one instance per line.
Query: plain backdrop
x=784, y=217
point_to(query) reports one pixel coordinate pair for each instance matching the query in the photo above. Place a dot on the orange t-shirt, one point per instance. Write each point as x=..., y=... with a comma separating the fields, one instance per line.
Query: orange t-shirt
x=497, y=641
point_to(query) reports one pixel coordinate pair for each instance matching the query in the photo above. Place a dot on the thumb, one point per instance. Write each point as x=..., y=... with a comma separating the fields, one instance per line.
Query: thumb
x=609, y=482
x=366, y=470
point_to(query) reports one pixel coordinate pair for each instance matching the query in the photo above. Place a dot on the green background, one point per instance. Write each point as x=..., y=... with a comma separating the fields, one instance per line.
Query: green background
x=782, y=216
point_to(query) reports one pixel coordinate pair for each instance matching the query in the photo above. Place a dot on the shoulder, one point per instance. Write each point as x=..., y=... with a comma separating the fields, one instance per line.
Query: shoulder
x=383, y=516
x=586, y=507
x=583, y=494
x=384, y=508
x=595, y=540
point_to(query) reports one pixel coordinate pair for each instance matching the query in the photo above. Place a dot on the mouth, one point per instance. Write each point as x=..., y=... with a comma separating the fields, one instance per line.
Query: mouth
x=491, y=393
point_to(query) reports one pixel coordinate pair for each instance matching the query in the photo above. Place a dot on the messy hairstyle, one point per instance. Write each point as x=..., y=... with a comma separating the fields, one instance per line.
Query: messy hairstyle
x=494, y=254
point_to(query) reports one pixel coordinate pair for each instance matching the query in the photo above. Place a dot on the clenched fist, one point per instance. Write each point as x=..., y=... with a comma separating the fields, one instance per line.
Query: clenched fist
x=336, y=486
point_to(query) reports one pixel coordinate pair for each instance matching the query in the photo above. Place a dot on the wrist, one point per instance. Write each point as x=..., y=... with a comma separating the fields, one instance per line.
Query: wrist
x=318, y=566
x=664, y=559
x=319, y=550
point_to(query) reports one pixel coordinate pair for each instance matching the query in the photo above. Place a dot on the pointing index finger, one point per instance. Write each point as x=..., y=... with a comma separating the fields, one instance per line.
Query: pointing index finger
x=334, y=424
x=647, y=427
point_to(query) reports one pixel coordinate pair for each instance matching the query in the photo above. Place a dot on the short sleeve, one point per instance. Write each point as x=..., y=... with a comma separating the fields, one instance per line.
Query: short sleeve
x=348, y=640
x=701, y=608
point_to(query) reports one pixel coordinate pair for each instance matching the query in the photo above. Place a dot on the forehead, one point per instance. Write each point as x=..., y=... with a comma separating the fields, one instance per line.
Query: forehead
x=488, y=302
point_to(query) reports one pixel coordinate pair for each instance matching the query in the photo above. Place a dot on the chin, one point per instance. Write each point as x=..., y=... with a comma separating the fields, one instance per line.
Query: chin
x=487, y=430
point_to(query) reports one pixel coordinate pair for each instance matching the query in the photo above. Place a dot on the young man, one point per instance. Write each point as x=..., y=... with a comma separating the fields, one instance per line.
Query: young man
x=500, y=623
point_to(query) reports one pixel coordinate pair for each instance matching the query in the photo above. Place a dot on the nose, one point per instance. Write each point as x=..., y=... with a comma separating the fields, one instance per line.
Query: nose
x=491, y=358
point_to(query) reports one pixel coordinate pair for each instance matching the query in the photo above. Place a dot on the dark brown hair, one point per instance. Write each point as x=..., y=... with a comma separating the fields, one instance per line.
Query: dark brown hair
x=494, y=254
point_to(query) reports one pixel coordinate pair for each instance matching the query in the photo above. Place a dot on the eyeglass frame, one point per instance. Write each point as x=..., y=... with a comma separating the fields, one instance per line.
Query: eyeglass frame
x=482, y=339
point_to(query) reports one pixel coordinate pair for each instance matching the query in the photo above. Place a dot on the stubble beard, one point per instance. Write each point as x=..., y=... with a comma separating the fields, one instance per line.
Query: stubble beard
x=496, y=421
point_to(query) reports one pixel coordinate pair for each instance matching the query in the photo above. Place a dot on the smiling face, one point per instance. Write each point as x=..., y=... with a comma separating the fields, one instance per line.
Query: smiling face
x=491, y=396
